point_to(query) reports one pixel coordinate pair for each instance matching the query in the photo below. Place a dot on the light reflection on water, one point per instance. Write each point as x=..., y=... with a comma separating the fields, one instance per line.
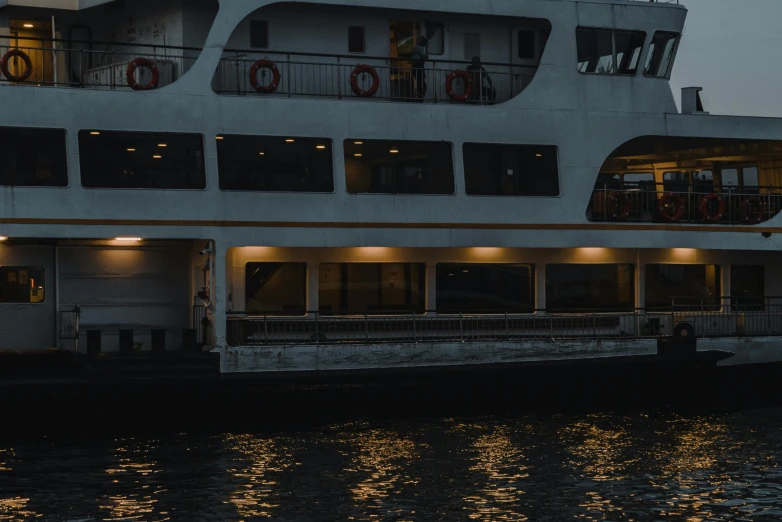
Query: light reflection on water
x=642, y=466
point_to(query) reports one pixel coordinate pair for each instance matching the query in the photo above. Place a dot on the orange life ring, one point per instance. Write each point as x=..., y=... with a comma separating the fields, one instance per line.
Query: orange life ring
x=744, y=211
x=364, y=69
x=665, y=201
x=468, y=86
x=706, y=214
x=28, y=65
x=131, y=74
x=264, y=64
x=619, y=206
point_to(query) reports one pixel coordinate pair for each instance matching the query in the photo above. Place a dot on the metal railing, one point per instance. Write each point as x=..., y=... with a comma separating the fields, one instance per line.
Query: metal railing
x=94, y=65
x=719, y=317
x=655, y=204
x=324, y=75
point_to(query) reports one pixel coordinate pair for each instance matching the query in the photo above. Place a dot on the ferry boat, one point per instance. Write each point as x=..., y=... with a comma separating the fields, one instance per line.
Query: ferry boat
x=329, y=186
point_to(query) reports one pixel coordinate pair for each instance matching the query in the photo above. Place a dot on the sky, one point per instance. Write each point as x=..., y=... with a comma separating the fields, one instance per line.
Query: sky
x=733, y=49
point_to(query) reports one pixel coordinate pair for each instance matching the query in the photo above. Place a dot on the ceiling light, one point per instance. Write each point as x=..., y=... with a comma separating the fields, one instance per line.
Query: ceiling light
x=394, y=151
x=289, y=140
x=358, y=143
x=219, y=138
x=357, y=154
x=95, y=133
x=157, y=156
x=128, y=239
x=28, y=25
x=538, y=155
x=131, y=150
x=320, y=147
x=3, y=238
x=261, y=153
x=162, y=145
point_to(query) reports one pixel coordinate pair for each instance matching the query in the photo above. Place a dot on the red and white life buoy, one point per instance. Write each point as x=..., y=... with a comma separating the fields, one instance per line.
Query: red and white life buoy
x=28, y=65
x=131, y=74
x=358, y=71
x=708, y=206
x=468, y=86
x=746, y=213
x=275, y=81
x=619, y=206
x=668, y=200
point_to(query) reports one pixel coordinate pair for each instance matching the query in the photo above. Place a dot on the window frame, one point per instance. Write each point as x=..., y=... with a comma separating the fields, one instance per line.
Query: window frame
x=615, y=63
x=535, y=50
x=363, y=39
x=668, y=307
x=28, y=303
x=68, y=170
x=674, y=53
x=605, y=311
x=268, y=25
x=276, y=314
x=533, y=288
x=559, y=171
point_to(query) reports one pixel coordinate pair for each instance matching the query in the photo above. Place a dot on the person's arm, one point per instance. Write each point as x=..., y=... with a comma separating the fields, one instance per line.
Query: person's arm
x=488, y=78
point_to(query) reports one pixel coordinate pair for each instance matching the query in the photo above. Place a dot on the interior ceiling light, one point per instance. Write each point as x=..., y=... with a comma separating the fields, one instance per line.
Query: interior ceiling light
x=28, y=25
x=3, y=238
x=358, y=143
x=95, y=133
x=157, y=156
x=289, y=140
x=219, y=138
x=357, y=154
x=128, y=239
x=131, y=150
x=320, y=147
x=162, y=145
x=261, y=153
x=394, y=151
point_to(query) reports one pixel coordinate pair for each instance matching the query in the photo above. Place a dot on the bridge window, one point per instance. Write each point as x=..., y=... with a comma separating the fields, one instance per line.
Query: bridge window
x=695, y=286
x=585, y=288
x=526, y=45
x=22, y=284
x=398, y=167
x=275, y=163
x=511, y=170
x=748, y=287
x=143, y=160
x=605, y=51
x=494, y=288
x=33, y=157
x=374, y=288
x=356, y=39
x=276, y=288
x=259, y=34
x=661, y=52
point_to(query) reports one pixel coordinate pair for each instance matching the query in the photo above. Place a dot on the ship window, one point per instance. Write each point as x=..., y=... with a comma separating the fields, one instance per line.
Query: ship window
x=587, y=288
x=678, y=181
x=683, y=286
x=259, y=34
x=472, y=45
x=511, y=170
x=526, y=45
x=595, y=51
x=398, y=167
x=356, y=42
x=275, y=163
x=660, y=57
x=22, y=284
x=33, y=157
x=148, y=160
x=747, y=287
x=491, y=288
x=276, y=288
x=729, y=179
x=703, y=181
x=373, y=288
x=638, y=180
x=435, y=33
x=750, y=180
x=628, y=50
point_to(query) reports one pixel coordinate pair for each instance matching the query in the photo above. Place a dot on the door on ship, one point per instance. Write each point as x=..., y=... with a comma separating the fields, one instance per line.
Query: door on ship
x=27, y=303
x=35, y=39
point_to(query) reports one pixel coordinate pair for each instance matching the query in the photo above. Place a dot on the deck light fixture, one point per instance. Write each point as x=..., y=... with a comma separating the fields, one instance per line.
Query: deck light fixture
x=358, y=143
x=28, y=25
x=321, y=147
x=3, y=238
x=538, y=155
x=394, y=151
x=162, y=145
x=95, y=133
x=358, y=154
x=289, y=140
x=157, y=156
x=131, y=150
x=128, y=239
x=219, y=138
x=261, y=153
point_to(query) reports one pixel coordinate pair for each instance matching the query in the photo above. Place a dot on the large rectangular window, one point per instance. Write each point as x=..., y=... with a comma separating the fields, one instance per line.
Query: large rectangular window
x=661, y=51
x=398, y=167
x=275, y=163
x=22, y=284
x=142, y=160
x=374, y=288
x=682, y=286
x=259, y=34
x=494, y=288
x=590, y=288
x=748, y=287
x=276, y=288
x=511, y=170
x=605, y=51
x=33, y=157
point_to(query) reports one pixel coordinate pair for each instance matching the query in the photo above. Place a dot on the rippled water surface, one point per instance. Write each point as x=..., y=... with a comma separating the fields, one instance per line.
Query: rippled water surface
x=639, y=466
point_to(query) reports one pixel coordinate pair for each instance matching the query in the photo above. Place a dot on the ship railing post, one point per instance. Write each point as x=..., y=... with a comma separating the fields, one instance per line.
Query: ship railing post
x=265, y=331
x=415, y=333
x=594, y=325
x=461, y=328
x=113, y=68
x=366, y=326
x=434, y=81
x=288, y=74
x=339, y=79
x=317, y=328
x=507, y=330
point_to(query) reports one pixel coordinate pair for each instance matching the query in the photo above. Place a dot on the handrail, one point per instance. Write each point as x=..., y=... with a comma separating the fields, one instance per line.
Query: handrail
x=92, y=42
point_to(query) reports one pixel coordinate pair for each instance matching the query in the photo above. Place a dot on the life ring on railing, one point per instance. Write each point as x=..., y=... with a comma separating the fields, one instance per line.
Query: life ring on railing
x=468, y=86
x=28, y=65
x=131, y=74
x=358, y=71
x=706, y=208
x=678, y=207
x=272, y=85
x=745, y=211
x=619, y=206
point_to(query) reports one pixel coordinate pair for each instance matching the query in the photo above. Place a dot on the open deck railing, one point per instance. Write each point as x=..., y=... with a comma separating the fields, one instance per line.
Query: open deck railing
x=327, y=75
x=94, y=65
x=655, y=204
x=717, y=317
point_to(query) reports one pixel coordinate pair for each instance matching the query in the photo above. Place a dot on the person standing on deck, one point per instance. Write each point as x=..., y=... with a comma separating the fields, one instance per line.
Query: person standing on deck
x=419, y=58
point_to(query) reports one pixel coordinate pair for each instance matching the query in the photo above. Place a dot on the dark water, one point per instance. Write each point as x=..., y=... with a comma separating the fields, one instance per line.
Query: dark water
x=655, y=465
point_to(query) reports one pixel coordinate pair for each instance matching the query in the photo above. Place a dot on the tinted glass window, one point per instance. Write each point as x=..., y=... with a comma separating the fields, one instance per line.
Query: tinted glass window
x=511, y=170
x=682, y=285
x=496, y=288
x=151, y=160
x=275, y=163
x=374, y=288
x=356, y=39
x=703, y=181
x=730, y=179
x=526, y=45
x=660, y=57
x=22, y=284
x=580, y=288
x=750, y=179
x=748, y=287
x=633, y=180
x=595, y=51
x=628, y=50
x=33, y=157
x=676, y=181
x=398, y=167
x=276, y=288
x=259, y=34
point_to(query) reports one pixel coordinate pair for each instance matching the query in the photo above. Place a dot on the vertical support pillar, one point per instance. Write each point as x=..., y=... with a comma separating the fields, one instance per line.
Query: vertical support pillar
x=640, y=285
x=431, y=287
x=313, y=278
x=725, y=288
x=219, y=295
x=540, y=287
